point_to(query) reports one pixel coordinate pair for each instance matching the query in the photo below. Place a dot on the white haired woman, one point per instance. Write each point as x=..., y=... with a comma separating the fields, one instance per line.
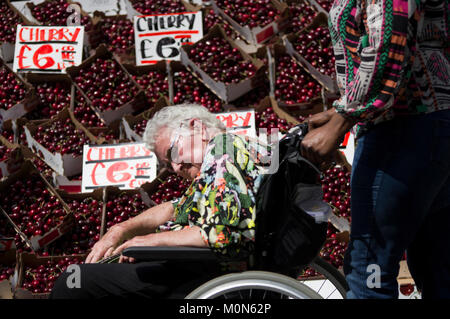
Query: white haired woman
x=216, y=211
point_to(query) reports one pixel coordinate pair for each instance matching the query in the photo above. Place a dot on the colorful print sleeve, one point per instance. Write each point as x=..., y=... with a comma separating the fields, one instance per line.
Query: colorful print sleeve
x=221, y=200
x=370, y=44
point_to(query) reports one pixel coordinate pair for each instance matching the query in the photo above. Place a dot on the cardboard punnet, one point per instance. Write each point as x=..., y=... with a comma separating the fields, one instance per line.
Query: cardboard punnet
x=21, y=107
x=36, y=242
x=226, y=92
x=21, y=8
x=258, y=34
x=317, y=6
x=98, y=194
x=109, y=116
x=129, y=121
x=328, y=82
x=26, y=260
x=67, y=164
x=315, y=105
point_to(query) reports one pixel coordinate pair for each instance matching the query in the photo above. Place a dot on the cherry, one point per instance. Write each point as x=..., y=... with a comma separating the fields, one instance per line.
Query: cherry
x=171, y=187
x=118, y=33
x=123, y=206
x=301, y=16
x=53, y=97
x=155, y=85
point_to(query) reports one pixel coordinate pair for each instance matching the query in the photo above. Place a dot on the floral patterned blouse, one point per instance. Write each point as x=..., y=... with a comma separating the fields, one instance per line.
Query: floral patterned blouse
x=221, y=199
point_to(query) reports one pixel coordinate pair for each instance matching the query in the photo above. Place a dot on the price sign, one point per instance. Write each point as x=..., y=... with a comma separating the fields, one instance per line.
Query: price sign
x=239, y=122
x=126, y=166
x=348, y=147
x=160, y=36
x=47, y=49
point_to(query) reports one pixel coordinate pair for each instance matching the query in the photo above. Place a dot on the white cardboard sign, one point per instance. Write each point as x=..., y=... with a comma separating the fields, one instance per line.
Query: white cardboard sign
x=126, y=166
x=47, y=49
x=239, y=122
x=160, y=36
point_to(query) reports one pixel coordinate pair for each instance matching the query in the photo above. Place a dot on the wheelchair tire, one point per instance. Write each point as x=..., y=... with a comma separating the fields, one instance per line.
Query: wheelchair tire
x=331, y=274
x=253, y=285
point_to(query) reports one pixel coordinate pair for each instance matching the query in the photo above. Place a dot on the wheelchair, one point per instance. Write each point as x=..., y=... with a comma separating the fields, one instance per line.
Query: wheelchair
x=251, y=284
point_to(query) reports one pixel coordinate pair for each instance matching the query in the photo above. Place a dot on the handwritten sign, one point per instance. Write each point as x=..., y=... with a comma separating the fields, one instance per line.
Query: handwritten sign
x=126, y=166
x=348, y=147
x=47, y=49
x=160, y=36
x=239, y=122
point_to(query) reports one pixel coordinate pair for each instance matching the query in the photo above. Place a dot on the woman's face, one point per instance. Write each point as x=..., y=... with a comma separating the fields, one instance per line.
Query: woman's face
x=181, y=150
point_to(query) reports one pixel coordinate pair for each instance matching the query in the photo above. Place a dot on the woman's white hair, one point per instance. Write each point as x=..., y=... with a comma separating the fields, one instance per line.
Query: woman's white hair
x=173, y=116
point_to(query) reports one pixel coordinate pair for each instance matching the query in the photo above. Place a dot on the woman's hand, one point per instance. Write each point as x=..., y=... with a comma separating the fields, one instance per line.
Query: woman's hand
x=319, y=119
x=141, y=241
x=320, y=144
x=105, y=247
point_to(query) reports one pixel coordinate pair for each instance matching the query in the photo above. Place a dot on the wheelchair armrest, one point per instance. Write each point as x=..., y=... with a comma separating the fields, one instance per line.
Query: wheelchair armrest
x=178, y=253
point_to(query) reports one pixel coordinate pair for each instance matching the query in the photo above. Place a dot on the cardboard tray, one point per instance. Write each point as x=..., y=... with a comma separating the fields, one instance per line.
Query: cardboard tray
x=109, y=116
x=328, y=82
x=37, y=242
x=26, y=260
x=66, y=164
x=258, y=34
x=314, y=106
x=226, y=92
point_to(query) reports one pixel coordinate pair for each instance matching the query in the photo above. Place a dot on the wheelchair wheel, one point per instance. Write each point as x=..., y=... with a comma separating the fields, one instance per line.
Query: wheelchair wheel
x=327, y=281
x=253, y=285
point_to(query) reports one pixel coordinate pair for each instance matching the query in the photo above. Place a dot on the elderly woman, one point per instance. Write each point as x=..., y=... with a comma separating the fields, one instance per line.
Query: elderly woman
x=216, y=211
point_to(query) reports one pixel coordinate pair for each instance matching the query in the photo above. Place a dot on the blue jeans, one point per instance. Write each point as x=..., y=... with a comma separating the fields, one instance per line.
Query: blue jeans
x=400, y=202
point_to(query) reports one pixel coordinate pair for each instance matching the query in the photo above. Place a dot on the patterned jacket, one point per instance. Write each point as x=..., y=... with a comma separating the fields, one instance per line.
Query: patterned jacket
x=221, y=199
x=392, y=58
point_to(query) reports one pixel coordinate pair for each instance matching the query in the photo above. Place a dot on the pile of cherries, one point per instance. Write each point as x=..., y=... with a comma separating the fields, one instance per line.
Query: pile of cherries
x=188, y=89
x=170, y=188
x=4, y=152
x=53, y=97
x=32, y=207
x=333, y=251
x=221, y=61
x=269, y=120
x=8, y=23
x=122, y=207
x=326, y=4
x=118, y=33
x=62, y=136
x=106, y=84
x=315, y=46
x=84, y=113
x=301, y=16
x=139, y=127
x=211, y=19
x=155, y=85
x=293, y=84
x=41, y=278
x=336, y=190
x=12, y=91
x=88, y=219
x=257, y=13
x=157, y=6
x=55, y=13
